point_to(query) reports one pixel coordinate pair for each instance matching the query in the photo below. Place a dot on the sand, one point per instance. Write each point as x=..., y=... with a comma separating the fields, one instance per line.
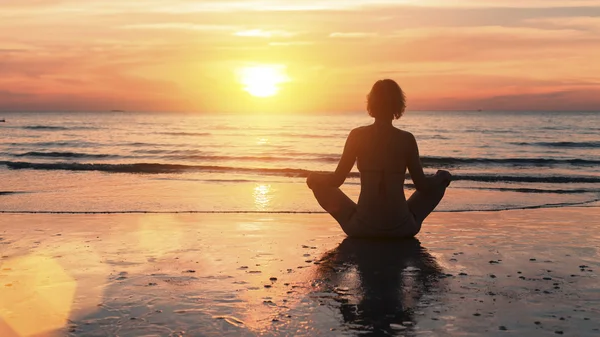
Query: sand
x=523, y=273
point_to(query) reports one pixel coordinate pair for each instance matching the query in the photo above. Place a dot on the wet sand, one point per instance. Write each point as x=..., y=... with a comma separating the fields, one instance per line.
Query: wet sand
x=523, y=273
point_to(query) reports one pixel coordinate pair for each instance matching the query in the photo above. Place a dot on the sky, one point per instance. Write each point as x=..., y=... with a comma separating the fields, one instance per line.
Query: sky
x=181, y=55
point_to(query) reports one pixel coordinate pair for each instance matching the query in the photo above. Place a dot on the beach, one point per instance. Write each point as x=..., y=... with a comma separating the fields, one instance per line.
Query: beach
x=521, y=272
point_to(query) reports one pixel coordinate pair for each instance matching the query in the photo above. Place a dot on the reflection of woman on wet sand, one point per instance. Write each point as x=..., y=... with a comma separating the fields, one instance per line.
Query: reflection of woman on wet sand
x=387, y=292
x=383, y=153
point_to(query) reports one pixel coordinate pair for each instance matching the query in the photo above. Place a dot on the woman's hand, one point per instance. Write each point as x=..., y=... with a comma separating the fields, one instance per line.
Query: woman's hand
x=444, y=176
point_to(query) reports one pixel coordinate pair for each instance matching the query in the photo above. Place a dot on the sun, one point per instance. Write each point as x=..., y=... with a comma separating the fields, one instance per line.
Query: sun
x=263, y=80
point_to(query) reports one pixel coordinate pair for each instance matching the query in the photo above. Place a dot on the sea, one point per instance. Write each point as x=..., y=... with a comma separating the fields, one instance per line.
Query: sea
x=125, y=162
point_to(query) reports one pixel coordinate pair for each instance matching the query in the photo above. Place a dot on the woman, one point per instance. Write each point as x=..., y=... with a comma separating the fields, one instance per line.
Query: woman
x=383, y=153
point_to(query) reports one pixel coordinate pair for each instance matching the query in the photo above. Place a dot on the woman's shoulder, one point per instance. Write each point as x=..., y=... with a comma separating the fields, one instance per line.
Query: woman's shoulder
x=369, y=128
x=403, y=133
x=359, y=130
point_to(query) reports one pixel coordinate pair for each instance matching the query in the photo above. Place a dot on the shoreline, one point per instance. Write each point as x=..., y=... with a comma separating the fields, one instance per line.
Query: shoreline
x=586, y=204
x=470, y=273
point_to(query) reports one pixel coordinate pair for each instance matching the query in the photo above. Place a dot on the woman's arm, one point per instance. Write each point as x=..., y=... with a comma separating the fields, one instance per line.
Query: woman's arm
x=346, y=164
x=415, y=168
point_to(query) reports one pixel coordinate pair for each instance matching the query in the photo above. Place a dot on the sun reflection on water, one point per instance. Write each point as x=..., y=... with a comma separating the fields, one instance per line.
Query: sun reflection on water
x=262, y=196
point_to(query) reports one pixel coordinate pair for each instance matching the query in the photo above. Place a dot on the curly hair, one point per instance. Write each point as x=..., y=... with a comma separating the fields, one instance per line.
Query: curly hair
x=386, y=100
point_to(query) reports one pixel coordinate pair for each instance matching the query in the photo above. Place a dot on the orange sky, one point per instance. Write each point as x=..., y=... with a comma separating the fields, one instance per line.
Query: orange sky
x=182, y=55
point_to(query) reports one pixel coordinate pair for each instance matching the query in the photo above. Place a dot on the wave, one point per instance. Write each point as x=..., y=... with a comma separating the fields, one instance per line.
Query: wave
x=199, y=155
x=527, y=179
x=182, y=154
x=235, y=158
x=141, y=144
x=306, y=135
x=426, y=161
x=63, y=155
x=10, y=192
x=59, y=144
x=152, y=168
x=583, y=145
x=267, y=134
x=44, y=127
x=56, y=128
x=251, y=158
x=537, y=190
x=431, y=161
x=149, y=168
x=520, y=208
x=187, y=134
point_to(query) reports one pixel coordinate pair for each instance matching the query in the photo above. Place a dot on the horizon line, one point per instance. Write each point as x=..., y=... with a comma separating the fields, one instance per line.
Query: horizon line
x=290, y=113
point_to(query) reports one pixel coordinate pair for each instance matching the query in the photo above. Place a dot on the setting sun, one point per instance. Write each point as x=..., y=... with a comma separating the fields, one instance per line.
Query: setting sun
x=264, y=80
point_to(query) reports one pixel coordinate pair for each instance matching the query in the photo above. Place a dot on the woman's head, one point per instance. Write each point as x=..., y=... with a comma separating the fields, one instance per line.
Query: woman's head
x=386, y=100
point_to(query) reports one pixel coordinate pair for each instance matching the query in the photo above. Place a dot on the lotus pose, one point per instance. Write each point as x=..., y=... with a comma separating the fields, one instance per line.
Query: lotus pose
x=382, y=153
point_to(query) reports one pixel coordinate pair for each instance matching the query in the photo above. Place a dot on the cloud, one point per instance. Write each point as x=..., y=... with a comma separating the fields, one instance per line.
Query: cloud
x=590, y=24
x=179, y=26
x=571, y=100
x=351, y=35
x=7, y=95
x=265, y=33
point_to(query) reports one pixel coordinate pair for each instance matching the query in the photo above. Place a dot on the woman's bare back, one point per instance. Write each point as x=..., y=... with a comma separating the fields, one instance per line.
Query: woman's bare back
x=382, y=153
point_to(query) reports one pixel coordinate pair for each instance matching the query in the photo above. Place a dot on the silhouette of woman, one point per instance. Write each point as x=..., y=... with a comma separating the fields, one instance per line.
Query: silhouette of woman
x=382, y=153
